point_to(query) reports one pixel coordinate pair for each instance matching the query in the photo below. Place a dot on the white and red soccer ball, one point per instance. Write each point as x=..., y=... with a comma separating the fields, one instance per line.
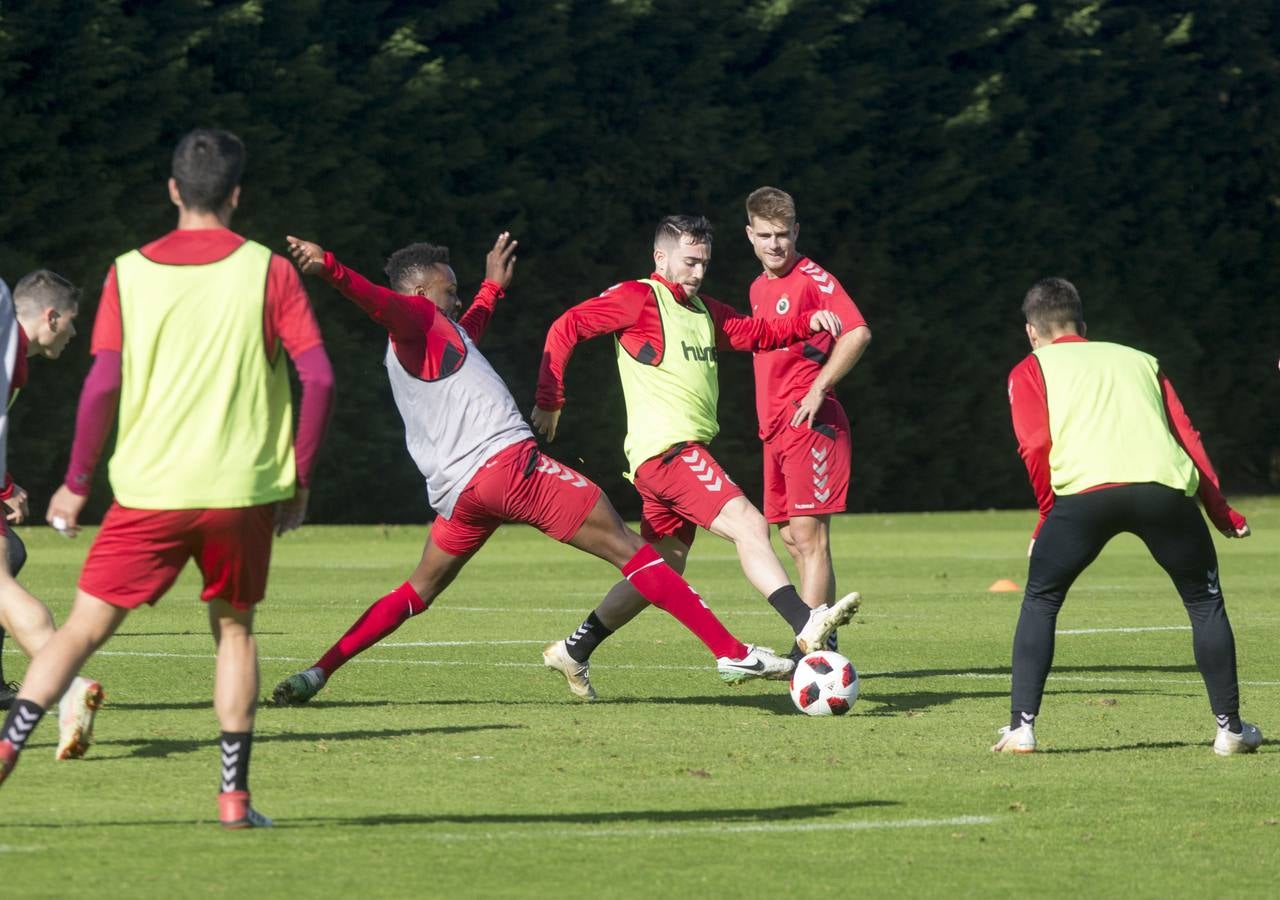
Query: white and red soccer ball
x=824, y=684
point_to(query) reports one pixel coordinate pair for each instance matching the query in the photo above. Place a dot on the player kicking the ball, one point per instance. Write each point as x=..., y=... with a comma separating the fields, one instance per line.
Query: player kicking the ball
x=481, y=462
x=188, y=347
x=666, y=337
x=46, y=305
x=1109, y=449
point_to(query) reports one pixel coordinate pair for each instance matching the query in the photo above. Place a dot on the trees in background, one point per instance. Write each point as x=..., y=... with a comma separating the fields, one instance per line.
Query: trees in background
x=944, y=154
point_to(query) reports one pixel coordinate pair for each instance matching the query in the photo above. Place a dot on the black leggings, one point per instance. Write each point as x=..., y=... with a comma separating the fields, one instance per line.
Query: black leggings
x=15, y=550
x=1075, y=532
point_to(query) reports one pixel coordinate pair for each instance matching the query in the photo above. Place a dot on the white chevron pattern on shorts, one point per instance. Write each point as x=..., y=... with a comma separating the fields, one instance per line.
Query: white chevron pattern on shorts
x=564, y=473
x=691, y=458
x=819, y=455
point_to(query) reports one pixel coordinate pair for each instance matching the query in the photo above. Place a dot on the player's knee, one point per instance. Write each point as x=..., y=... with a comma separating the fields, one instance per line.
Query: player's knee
x=810, y=541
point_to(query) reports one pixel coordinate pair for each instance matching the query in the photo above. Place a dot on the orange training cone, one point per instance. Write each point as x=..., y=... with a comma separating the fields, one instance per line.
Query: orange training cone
x=1004, y=585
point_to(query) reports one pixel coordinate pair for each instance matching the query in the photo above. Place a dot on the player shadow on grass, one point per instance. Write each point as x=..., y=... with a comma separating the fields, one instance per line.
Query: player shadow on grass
x=764, y=814
x=1141, y=745
x=1004, y=670
x=160, y=748
x=761, y=815
x=198, y=634
x=891, y=704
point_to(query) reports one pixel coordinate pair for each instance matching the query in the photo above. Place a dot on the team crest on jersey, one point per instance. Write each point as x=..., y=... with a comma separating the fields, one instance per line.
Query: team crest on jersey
x=784, y=304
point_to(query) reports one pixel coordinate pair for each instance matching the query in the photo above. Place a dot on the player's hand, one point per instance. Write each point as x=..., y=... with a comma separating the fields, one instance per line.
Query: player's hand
x=65, y=507
x=545, y=422
x=1236, y=526
x=16, y=503
x=291, y=513
x=308, y=256
x=826, y=320
x=808, y=407
x=500, y=264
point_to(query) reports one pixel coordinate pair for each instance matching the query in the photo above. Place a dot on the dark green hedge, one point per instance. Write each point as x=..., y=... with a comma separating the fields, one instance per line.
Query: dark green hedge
x=944, y=155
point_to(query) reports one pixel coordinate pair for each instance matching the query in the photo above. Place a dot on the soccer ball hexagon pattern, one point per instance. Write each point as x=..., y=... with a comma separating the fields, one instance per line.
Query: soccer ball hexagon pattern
x=824, y=684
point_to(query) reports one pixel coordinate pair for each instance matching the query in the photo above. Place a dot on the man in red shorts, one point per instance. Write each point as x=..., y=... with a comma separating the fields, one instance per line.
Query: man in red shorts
x=481, y=462
x=666, y=337
x=205, y=463
x=803, y=426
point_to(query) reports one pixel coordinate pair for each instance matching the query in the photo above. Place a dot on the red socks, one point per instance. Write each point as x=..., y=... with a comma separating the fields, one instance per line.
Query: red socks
x=660, y=585
x=378, y=621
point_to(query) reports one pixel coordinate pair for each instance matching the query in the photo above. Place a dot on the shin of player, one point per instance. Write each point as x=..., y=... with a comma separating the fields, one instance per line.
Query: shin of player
x=480, y=462
x=46, y=306
x=239, y=475
x=667, y=337
x=1109, y=449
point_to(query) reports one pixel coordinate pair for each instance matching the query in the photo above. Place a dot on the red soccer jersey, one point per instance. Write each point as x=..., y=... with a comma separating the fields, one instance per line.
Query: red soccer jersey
x=287, y=316
x=630, y=312
x=1029, y=405
x=785, y=375
x=424, y=341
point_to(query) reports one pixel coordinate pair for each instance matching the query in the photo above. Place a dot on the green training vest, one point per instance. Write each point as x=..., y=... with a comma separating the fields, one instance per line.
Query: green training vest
x=1107, y=420
x=205, y=416
x=674, y=401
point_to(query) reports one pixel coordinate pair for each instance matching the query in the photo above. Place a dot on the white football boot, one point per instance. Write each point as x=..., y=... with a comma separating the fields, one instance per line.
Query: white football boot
x=578, y=674
x=1228, y=743
x=760, y=662
x=76, y=710
x=826, y=619
x=1016, y=740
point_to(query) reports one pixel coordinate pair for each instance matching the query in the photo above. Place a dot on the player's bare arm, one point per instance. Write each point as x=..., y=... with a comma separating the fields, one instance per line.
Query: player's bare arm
x=500, y=262
x=848, y=350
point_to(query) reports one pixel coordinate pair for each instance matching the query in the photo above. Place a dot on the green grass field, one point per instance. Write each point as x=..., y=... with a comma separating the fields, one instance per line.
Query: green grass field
x=448, y=762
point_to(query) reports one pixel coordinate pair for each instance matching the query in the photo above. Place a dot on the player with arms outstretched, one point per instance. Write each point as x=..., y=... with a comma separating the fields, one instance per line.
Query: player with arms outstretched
x=1109, y=448
x=187, y=345
x=803, y=426
x=481, y=462
x=666, y=337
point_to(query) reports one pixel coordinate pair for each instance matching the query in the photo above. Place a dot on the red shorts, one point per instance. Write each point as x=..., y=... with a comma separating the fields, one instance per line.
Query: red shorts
x=682, y=489
x=139, y=553
x=517, y=484
x=806, y=470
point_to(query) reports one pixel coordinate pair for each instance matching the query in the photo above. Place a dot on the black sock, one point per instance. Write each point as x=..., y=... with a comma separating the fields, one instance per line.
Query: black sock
x=1231, y=723
x=583, y=642
x=786, y=600
x=235, y=747
x=1018, y=718
x=21, y=721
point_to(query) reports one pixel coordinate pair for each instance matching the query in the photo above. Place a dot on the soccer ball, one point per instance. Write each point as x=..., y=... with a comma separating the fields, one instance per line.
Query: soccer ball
x=824, y=684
